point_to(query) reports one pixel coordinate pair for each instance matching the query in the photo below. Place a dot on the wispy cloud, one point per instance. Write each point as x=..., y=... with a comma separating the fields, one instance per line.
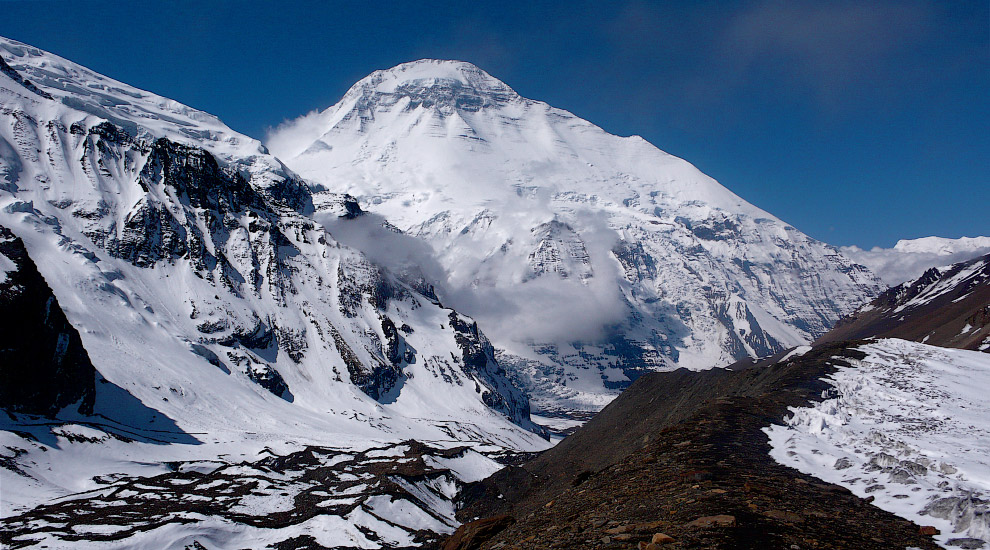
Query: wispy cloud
x=703, y=61
x=292, y=137
x=824, y=46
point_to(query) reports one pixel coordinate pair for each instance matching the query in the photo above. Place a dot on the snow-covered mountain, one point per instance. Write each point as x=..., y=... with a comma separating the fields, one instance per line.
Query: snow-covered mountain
x=588, y=257
x=911, y=257
x=223, y=321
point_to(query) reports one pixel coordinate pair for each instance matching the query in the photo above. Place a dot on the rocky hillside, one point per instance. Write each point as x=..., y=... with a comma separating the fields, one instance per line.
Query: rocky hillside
x=688, y=468
x=947, y=306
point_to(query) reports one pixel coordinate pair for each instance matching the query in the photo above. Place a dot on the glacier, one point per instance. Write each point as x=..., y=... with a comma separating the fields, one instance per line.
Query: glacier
x=907, y=426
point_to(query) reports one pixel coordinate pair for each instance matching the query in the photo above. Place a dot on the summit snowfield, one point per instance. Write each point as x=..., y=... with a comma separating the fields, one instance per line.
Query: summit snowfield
x=589, y=258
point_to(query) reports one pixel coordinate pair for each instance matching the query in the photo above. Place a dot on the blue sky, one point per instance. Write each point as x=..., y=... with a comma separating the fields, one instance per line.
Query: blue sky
x=858, y=122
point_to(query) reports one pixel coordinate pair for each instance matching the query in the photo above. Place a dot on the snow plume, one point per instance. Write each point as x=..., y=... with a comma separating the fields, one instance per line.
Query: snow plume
x=545, y=308
x=908, y=259
x=292, y=137
x=407, y=257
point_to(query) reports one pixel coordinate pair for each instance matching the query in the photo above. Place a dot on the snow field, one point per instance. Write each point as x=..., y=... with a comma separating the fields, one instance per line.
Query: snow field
x=908, y=425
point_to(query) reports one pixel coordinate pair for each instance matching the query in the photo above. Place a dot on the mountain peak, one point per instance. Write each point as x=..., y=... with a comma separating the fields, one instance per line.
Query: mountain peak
x=432, y=71
x=435, y=82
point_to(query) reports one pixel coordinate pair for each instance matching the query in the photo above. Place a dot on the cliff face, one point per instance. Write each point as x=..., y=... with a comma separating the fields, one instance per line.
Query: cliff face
x=43, y=365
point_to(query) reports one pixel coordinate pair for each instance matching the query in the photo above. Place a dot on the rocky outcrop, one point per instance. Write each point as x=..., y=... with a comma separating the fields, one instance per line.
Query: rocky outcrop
x=16, y=77
x=363, y=485
x=43, y=365
x=473, y=534
x=479, y=363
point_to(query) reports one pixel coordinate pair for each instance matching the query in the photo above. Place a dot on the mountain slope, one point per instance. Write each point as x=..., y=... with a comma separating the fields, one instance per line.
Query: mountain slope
x=590, y=258
x=224, y=323
x=947, y=307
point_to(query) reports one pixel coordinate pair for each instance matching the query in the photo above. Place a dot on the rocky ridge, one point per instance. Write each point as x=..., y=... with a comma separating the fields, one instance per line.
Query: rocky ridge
x=947, y=307
x=699, y=476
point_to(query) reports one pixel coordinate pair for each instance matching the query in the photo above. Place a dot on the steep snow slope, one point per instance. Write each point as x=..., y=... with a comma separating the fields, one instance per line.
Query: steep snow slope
x=909, y=258
x=588, y=257
x=223, y=320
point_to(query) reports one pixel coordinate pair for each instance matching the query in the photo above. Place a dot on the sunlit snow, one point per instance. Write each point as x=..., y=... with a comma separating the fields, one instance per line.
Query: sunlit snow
x=908, y=425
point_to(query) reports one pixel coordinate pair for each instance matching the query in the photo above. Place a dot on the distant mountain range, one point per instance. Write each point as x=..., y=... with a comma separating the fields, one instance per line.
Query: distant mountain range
x=908, y=258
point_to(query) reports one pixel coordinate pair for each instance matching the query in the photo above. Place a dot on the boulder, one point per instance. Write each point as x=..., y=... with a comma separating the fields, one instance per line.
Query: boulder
x=721, y=520
x=473, y=534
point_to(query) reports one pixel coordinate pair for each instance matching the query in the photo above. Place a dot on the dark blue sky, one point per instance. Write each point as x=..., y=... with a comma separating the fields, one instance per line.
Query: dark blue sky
x=858, y=122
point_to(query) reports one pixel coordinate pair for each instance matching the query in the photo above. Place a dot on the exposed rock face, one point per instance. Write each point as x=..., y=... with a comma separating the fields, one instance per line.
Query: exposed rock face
x=472, y=535
x=478, y=360
x=43, y=365
x=16, y=77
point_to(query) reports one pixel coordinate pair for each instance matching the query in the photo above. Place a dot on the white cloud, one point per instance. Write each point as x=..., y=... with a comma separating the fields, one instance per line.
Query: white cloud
x=910, y=258
x=293, y=136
